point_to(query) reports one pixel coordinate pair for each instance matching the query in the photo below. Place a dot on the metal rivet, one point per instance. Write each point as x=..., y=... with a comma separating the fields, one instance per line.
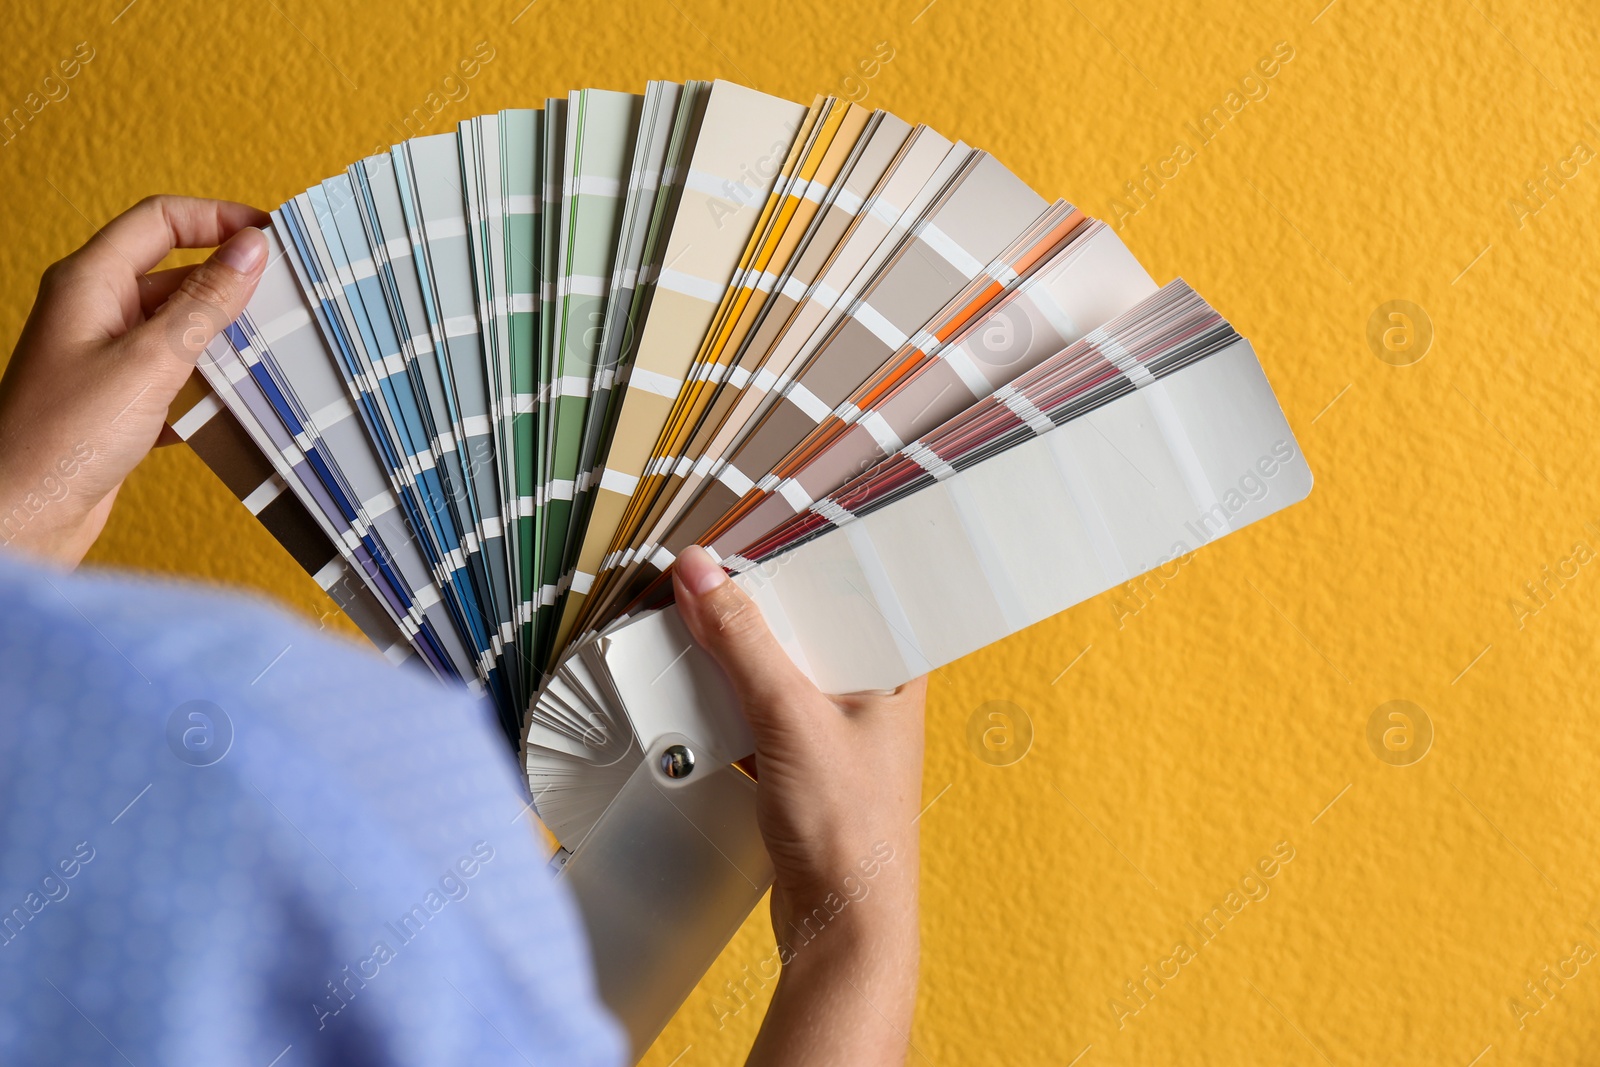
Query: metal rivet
x=677, y=761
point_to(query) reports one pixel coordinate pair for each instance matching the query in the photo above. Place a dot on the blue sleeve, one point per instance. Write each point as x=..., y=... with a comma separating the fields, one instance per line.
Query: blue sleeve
x=228, y=839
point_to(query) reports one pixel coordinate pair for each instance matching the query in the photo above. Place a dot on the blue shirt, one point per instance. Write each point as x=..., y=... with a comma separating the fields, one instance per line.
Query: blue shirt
x=228, y=839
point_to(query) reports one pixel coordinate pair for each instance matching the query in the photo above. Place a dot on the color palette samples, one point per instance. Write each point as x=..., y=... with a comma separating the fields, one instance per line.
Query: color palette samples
x=495, y=380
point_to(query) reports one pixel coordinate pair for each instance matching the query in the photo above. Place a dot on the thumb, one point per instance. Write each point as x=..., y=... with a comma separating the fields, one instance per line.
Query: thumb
x=212, y=296
x=729, y=626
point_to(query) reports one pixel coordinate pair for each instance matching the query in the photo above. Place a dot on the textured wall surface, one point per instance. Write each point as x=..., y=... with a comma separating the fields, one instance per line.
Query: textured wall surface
x=1181, y=732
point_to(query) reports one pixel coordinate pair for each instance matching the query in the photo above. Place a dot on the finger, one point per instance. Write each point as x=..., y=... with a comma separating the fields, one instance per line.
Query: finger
x=154, y=288
x=728, y=625
x=208, y=298
x=139, y=238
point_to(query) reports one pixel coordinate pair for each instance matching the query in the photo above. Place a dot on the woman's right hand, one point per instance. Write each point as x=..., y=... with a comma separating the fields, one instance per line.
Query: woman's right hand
x=839, y=788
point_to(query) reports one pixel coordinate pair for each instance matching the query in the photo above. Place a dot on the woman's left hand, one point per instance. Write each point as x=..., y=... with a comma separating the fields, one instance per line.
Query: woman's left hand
x=104, y=351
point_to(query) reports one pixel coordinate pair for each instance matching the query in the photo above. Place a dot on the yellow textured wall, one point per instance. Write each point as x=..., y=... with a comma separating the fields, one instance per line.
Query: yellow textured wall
x=1176, y=745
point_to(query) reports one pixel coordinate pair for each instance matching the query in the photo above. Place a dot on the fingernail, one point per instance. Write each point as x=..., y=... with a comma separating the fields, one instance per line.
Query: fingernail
x=699, y=571
x=244, y=251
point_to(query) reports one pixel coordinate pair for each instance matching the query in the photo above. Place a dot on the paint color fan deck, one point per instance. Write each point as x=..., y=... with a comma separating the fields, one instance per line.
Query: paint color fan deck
x=494, y=381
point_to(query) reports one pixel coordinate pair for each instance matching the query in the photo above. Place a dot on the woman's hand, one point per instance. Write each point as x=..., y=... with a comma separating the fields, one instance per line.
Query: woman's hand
x=106, y=348
x=840, y=783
